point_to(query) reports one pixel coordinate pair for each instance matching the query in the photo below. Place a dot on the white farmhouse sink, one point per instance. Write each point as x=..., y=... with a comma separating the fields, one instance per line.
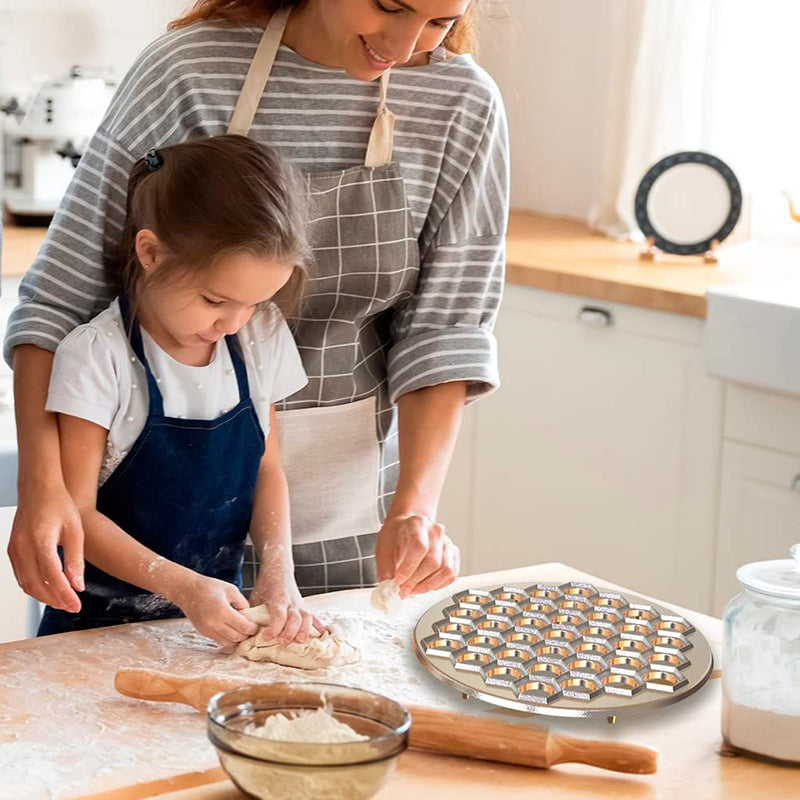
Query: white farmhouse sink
x=753, y=334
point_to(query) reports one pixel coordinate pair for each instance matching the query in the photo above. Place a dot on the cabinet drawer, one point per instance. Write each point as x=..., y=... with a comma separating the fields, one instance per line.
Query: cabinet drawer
x=762, y=418
x=620, y=317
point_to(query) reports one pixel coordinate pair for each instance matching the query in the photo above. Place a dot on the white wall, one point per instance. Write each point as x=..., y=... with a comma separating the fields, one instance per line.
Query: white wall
x=41, y=38
x=551, y=59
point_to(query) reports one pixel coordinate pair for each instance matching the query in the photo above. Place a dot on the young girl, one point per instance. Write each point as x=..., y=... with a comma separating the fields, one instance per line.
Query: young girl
x=165, y=399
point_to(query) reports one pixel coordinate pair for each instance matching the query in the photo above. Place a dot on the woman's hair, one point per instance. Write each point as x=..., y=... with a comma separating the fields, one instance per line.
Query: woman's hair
x=208, y=198
x=460, y=39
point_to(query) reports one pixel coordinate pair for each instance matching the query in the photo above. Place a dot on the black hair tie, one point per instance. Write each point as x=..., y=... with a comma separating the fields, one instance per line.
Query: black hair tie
x=153, y=160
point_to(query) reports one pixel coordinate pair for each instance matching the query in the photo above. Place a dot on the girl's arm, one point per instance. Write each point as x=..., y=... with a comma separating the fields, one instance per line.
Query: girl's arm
x=412, y=548
x=270, y=530
x=210, y=604
x=46, y=515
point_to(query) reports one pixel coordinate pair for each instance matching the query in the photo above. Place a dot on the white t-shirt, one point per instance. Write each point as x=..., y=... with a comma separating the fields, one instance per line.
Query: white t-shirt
x=95, y=378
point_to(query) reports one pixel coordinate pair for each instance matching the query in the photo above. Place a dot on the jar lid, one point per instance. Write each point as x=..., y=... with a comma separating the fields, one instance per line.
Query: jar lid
x=780, y=578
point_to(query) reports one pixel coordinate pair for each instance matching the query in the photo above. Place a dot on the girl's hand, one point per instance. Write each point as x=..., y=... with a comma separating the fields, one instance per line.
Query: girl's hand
x=417, y=553
x=213, y=607
x=46, y=518
x=289, y=620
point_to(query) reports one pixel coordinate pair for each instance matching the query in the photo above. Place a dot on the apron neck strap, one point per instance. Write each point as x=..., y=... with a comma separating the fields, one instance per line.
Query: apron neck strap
x=239, y=367
x=131, y=326
x=381, y=140
x=258, y=74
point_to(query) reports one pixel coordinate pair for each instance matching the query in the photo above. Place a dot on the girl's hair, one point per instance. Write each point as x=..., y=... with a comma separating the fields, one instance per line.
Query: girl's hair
x=208, y=198
x=460, y=39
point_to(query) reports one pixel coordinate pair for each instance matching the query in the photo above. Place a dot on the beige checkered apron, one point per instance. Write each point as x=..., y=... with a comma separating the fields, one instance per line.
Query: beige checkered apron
x=339, y=434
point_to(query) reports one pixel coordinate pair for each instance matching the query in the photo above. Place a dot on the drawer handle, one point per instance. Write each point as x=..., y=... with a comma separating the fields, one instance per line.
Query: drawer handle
x=594, y=317
x=796, y=483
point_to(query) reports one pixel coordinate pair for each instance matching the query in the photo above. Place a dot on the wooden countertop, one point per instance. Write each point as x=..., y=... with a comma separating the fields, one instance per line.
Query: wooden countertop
x=562, y=255
x=20, y=246
x=60, y=711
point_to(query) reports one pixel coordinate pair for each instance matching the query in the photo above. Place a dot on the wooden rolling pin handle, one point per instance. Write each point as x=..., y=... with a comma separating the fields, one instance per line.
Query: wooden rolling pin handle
x=616, y=756
x=160, y=687
x=525, y=745
x=433, y=730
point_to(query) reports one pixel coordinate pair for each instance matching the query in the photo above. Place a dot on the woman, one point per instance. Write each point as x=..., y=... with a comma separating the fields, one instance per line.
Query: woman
x=407, y=168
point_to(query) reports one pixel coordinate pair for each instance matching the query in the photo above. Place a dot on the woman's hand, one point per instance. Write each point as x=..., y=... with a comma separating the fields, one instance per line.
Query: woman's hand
x=214, y=608
x=417, y=553
x=46, y=518
x=288, y=619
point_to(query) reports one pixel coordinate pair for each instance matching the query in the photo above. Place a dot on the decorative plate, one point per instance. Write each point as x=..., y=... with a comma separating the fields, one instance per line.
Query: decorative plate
x=687, y=201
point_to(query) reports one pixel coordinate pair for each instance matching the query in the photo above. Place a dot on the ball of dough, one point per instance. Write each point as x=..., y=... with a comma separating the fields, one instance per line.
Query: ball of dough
x=320, y=650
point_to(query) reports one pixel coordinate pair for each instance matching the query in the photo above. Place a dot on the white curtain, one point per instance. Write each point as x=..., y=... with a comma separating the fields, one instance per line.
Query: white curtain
x=714, y=75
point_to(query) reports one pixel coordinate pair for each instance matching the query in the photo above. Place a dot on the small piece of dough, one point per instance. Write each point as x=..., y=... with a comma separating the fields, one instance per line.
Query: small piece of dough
x=386, y=597
x=320, y=650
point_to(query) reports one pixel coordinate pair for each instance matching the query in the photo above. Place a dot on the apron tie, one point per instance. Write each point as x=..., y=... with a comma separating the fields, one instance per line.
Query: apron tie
x=381, y=140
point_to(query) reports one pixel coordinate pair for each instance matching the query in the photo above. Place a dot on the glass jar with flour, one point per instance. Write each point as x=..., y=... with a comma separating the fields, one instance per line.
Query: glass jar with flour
x=761, y=663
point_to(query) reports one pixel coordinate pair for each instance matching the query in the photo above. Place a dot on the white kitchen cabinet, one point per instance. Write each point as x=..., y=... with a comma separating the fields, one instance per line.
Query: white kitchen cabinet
x=15, y=605
x=455, y=506
x=601, y=448
x=759, y=511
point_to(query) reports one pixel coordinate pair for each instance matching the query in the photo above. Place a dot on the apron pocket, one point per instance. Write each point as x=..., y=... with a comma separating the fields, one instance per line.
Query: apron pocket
x=331, y=458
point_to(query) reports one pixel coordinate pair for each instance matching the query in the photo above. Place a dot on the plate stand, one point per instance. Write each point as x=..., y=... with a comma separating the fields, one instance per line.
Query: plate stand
x=651, y=253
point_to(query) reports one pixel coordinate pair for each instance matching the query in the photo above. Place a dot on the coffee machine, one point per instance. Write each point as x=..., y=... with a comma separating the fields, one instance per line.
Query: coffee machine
x=45, y=138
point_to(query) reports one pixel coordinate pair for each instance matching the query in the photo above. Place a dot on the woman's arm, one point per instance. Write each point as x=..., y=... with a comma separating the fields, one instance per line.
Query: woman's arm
x=412, y=548
x=442, y=338
x=270, y=530
x=46, y=515
x=210, y=604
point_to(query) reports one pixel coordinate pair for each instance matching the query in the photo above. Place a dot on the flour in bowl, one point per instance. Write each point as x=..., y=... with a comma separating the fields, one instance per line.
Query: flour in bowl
x=310, y=727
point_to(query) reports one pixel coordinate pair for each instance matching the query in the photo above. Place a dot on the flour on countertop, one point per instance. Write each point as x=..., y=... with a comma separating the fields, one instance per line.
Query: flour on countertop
x=74, y=735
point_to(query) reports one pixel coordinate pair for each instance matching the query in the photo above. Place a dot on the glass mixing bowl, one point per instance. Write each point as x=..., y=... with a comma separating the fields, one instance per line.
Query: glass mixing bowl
x=267, y=769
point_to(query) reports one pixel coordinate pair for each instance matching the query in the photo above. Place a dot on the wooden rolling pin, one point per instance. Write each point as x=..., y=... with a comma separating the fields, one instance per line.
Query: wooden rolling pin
x=435, y=731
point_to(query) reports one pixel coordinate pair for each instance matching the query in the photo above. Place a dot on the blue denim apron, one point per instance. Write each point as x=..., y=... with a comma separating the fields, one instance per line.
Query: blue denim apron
x=185, y=490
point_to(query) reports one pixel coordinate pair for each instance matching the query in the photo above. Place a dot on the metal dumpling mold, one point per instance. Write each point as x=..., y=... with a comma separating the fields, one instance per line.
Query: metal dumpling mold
x=569, y=649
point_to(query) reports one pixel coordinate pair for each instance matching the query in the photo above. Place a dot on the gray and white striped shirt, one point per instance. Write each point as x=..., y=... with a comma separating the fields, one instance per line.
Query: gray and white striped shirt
x=450, y=142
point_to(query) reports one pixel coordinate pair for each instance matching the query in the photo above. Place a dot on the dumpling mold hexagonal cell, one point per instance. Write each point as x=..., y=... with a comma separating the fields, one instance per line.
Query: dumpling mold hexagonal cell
x=544, y=591
x=563, y=649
